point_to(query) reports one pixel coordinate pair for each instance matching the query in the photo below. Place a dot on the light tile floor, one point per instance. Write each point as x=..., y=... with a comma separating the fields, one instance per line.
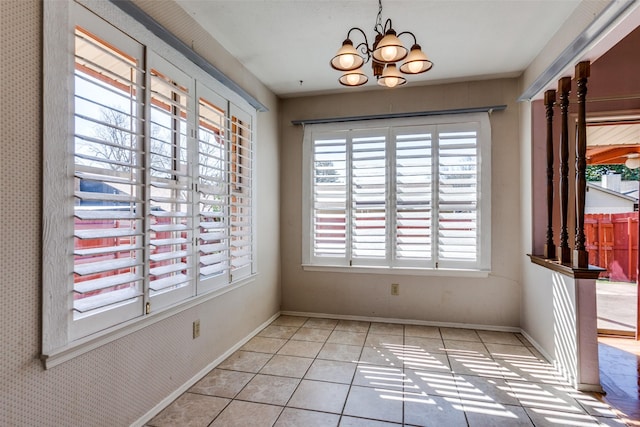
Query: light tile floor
x=307, y=372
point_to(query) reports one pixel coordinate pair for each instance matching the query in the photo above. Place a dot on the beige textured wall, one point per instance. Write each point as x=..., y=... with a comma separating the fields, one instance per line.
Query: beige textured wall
x=117, y=383
x=488, y=301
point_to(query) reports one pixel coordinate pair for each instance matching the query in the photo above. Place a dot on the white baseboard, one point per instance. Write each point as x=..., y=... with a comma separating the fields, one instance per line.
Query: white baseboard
x=561, y=369
x=197, y=377
x=537, y=346
x=405, y=321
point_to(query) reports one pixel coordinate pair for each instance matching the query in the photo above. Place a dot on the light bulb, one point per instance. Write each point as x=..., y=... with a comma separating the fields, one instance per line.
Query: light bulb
x=632, y=162
x=389, y=53
x=415, y=66
x=353, y=79
x=391, y=81
x=347, y=61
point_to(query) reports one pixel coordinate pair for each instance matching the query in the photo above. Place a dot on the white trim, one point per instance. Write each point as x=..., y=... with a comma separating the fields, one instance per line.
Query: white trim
x=81, y=346
x=204, y=371
x=56, y=168
x=404, y=321
x=439, y=272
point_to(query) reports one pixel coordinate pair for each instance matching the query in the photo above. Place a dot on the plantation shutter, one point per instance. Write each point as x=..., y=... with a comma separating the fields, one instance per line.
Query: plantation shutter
x=329, y=198
x=170, y=222
x=399, y=193
x=241, y=194
x=108, y=262
x=368, y=197
x=458, y=196
x=213, y=190
x=413, y=196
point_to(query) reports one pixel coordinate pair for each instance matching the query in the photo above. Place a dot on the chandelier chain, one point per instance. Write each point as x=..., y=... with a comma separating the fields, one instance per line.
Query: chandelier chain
x=378, y=27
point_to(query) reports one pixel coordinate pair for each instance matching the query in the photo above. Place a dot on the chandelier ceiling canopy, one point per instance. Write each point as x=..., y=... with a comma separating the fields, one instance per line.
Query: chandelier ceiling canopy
x=385, y=52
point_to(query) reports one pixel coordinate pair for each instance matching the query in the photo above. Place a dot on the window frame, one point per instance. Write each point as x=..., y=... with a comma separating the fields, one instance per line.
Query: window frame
x=395, y=266
x=61, y=340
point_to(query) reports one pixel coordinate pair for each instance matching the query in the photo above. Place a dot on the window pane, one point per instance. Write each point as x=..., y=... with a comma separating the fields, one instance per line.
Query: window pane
x=413, y=196
x=170, y=224
x=241, y=215
x=108, y=263
x=458, y=196
x=329, y=197
x=368, y=197
x=213, y=191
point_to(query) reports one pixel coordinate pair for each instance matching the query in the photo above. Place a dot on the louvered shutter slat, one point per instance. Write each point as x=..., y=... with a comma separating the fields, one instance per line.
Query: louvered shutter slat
x=104, y=231
x=105, y=282
x=95, y=302
x=102, y=266
x=169, y=282
x=105, y=250
x=106, y=214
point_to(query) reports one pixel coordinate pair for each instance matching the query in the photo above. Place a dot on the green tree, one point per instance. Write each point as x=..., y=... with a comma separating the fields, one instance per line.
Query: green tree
x=595, y=172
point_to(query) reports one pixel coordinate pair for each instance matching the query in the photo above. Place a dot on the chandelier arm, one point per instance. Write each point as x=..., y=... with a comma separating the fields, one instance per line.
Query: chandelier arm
x=363, y=46
x=387, y=26
x=415, y=41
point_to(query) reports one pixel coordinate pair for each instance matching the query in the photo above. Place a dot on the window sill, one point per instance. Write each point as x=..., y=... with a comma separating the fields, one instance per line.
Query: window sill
x=84, y=345
x=440, y=272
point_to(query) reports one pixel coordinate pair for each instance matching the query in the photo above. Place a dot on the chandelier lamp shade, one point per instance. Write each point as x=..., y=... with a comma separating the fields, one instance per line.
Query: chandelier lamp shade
x=386, y=51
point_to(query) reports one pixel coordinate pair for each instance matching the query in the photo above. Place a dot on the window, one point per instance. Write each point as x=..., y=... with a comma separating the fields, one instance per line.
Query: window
x=160, y=197
x=399, y=193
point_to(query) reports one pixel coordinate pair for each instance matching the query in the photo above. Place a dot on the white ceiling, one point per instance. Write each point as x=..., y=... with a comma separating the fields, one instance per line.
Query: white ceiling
x=284, y=42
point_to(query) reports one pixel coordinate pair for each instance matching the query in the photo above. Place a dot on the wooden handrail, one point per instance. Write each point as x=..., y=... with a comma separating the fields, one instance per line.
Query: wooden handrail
x=590, y=272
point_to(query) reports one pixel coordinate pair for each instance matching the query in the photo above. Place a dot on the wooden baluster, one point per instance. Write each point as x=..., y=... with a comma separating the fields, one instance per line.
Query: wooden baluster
x=564, y=88
x=549, y=102
x=580, y=254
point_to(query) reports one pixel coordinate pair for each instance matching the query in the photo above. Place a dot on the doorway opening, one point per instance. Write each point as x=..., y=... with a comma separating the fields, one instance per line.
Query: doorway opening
x=611, y=221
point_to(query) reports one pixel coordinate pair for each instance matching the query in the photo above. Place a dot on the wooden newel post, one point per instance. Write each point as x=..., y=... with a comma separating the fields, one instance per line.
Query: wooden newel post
x=549, y=102
x=564, y=88
x=580, y=254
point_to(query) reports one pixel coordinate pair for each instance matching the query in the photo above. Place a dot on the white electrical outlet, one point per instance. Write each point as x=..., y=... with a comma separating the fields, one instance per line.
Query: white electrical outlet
x=395, y=289
x=196, y=329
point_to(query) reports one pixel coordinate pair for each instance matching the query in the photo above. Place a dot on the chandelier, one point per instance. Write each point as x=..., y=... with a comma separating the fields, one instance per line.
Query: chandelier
x=387, y=50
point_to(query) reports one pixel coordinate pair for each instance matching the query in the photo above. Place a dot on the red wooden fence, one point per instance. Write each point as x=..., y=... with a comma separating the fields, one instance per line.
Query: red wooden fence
x=612, y=242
